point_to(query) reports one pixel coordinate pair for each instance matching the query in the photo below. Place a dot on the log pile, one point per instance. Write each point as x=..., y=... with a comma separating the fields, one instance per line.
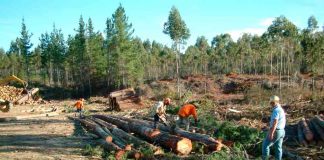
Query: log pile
x=124, y=135
x=124, y=99
x=10, y=93
x=311, y=130
x=16, y=95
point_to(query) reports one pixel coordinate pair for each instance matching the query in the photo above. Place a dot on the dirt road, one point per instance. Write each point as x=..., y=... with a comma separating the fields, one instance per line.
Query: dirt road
x=41, y=138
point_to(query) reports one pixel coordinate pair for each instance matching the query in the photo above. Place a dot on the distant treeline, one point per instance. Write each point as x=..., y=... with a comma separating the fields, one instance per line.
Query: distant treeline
x=91, y=60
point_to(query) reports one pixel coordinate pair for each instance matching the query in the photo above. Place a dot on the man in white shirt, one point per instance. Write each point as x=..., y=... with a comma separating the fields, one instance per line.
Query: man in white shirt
x=158, y=111
x=277, y=130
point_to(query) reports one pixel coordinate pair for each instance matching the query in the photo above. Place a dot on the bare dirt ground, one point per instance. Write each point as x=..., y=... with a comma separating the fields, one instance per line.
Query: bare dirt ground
x=55, y=137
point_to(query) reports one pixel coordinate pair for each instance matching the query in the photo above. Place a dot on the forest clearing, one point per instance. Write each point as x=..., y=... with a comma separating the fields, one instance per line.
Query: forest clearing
x=144, y=82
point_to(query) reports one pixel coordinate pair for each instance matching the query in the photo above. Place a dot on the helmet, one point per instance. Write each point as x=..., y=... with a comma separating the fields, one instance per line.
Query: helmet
x=274, y=99
x=167, y=101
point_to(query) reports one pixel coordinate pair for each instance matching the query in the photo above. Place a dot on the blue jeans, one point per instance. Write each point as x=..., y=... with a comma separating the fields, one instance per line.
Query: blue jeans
x=185, y=122
x=276, y=141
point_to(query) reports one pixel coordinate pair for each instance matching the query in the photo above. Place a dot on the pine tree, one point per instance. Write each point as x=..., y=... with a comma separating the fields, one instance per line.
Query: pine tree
x=176, y=28
x=24, y=47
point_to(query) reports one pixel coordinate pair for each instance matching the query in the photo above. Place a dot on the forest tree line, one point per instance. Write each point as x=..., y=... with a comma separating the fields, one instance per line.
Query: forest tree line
x=90, y=60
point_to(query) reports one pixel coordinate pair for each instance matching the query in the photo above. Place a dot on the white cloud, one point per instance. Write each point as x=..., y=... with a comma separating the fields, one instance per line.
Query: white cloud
x=266, y=22
x=236, y=34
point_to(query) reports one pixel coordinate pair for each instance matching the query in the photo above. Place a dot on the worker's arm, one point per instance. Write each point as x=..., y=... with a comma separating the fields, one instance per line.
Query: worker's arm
x=273, y=129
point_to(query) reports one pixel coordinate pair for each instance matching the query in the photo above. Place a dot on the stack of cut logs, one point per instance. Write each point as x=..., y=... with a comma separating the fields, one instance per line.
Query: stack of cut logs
x=10, y=93
x=311, y=130
x=16, y=95
x=121, y=134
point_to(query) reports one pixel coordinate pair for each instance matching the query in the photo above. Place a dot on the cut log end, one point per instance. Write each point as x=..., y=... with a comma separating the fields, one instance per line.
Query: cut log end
x=215, y=147
x=154, y=133
x=128, y=147
x=109, y=139
x=184, y=146
x=119, y=154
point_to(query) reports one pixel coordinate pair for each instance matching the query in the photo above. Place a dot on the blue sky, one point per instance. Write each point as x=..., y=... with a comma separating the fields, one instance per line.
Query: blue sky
x=203, y=17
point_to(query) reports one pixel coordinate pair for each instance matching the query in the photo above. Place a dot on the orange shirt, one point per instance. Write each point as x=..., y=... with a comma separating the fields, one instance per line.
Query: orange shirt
x=187, y=110
x=79, y=104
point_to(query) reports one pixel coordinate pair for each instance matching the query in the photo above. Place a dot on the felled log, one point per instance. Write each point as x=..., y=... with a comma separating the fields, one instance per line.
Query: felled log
x=125, y=136
x=118, y=122
x=27, y=96
x=213, y=145
x=119, y=142
x=301, y=138
x=96, y=130
x=317, y=119
x=123, y=92
x=307, y=132
x=4, y=119
x=318, y=130
x=177, y=144
x=119, y=153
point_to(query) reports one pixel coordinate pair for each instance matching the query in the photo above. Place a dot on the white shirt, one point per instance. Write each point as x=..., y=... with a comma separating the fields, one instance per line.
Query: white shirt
x=159, y=108
x=279, y=114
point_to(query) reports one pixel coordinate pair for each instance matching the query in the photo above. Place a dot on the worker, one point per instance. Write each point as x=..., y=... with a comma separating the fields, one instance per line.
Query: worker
x=277, y=130
x=79, y=107
x=158, y=111
x=184, y=113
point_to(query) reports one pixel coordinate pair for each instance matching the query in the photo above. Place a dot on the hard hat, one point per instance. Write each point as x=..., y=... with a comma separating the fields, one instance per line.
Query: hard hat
x=274, y=99
x=82, y=99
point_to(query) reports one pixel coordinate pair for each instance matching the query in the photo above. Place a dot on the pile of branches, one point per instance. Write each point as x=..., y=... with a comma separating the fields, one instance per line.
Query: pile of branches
x=127, y=137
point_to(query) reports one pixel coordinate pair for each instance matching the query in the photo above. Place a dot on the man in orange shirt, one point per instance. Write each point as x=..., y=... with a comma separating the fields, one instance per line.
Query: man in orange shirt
x=184, y=113
x=79, y=106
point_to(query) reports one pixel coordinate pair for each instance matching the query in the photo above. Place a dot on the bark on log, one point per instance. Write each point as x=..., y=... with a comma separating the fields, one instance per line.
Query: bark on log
x=27, y=96
x=119, y=142
x=96, y=130
x=118, y=122
x=318, y=130
x=177, y=144
x=301, y=138
x=319, y=121
x=213, y=145
x=306, y=130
